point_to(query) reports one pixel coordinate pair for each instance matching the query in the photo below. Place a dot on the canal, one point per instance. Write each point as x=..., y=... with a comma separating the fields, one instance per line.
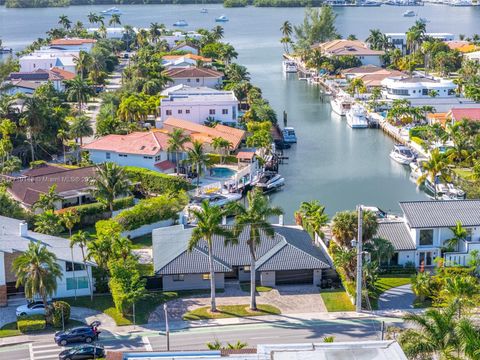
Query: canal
x=332, y=163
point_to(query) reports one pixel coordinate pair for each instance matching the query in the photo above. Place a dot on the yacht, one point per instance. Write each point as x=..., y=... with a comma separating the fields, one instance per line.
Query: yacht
x=409, y=13
x=289, y=135
x=112, y=11
x=180, y=23
x=270, y=181
x=341, y=105
x=289, y=66
x=221, y=18
x=218, y=199
x=5, y=50
x=357, y=117
x=402, y=154
x=460, y=3
x=369, y=3
x=204, y=11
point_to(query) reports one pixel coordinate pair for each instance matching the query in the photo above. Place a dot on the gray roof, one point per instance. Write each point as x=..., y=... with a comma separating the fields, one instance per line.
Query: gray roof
x=434, y=214
x=11, y=241
x=397, y=233
x=288, y=249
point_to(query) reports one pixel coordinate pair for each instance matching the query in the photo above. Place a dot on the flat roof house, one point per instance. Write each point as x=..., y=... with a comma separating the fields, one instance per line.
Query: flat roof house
x=14, y=240
x=76, y=44
x=289, y=257
x=356, y=48
x=399, y=40
x=417, y=87
x=186, y=60
x=47, y=59
x=199, y=104
x=195, y=76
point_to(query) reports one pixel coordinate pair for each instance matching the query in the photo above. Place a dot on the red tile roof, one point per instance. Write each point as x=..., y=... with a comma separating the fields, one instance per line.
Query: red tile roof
x=165, y=165
x=64, y=74
x=72, y=41
x=193, y=72
x=343, y=47
x=246, y=155
x=458, y=114
x=188, y=56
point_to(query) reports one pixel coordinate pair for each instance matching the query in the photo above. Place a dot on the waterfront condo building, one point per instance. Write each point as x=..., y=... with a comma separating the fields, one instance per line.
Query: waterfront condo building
x=418, y=87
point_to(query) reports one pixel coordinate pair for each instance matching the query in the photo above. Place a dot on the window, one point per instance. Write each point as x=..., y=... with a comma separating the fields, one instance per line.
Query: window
x=81, y=283
x=469, y=234
x=426, y=237
x=107, y=155
x=246, y=269
x=168, y=112
x=148, y=157
x=189, y=80
x=78, y=267
x=158, y=158
x=211, y=111
x=122, y=155
x=197, y=80
x=206, y=276
x=224, y=111
x=179, y=111
x=187, y=111
x=179, y=277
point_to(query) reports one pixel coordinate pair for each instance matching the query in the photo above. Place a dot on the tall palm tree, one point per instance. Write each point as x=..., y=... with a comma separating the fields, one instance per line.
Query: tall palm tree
x=48, y=200
x=209, y=219
x=435, y=166
x=311, y=215
x=78, y=90
x=115, y=20
x=110, y=182
x=459, y=234
x=82, y=62
x=375, y=39
x=69, y=219
x=254, y=221
x=81, y=238
x=63, y=136
x=65, y=22
x=217, y=32
x=287, y=29
x=80, y=127
x=198, y=159
x=92, y=18
x=176, y=144
x=37, y=270
x=154, y=31
x=223, y=144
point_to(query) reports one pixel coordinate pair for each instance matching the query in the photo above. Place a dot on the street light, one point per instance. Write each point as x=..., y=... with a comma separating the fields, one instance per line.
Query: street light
x=358, y=301
x=167, y=329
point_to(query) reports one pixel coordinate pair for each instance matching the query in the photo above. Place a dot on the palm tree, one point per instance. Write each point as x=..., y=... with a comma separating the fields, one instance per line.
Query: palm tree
x=198, y=159
x=209, y=219
x=434, y=167
x=154, y=31
x=78, y=90
x=110, y=181
x=380, y=250
x=254, y=221
x=81, y=239
x=237, y=73
x=80, y=127
x=375, y=39
x=311, y=216
x=176, y=143
x=463, y=291
x=217, y=32
x=48, y=200
x=221, y=143
x=287, y=29
x=469, y=336
x=422, y=285
x=92, y=18
x=48, y=223
x=69, y=219
x=459, y=235
x=65, y=21
x=82, y=62
x=345, y=225
x=37, y=270
x=63, y=136
x=115, y=20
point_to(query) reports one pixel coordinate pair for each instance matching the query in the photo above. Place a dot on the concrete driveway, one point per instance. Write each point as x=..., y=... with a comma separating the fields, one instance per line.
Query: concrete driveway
x=289, y=299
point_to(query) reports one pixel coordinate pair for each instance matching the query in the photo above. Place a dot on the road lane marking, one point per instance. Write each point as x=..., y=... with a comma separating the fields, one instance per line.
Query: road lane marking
x=30, y=349
x=147, y=344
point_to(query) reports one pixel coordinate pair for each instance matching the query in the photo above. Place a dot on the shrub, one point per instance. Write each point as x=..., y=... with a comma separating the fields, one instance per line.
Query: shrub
x=217, y=159
x=31, y=323
x=57, y=308
x=154, y=182
x=419, y=132
x=235, y=3
x=417, y=140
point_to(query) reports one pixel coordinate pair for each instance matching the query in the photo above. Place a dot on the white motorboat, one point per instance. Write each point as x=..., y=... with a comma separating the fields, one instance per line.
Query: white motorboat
x=221, y=18
x=409, y=13
x=357, y=117
x=341, y=104
x=289, y=66
x=455, y=193
x=218, y=199
x=402, y=154
x=269, y=181
x=460, y=3
x=180, y=23
x=112, y=11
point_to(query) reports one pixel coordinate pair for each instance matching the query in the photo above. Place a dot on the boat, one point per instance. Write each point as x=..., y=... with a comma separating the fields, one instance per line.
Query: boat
x=204, y=11
x=357, y=117
x=180, y=23
x=112, y=11
x=461, y=3
x=424, y=20
x=5, y=50
x=455, y=193
x=289, y=135
x=217, y=199
x=409, y=13
x=381, y=215
x=221, y=18
x=369, y=3
x=341, y=104
x=289, y=66
x=402, y=154
x=269, y=181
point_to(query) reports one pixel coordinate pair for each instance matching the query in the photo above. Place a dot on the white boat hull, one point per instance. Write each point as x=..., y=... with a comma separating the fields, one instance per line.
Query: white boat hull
x=337, y=108
x=399, y=159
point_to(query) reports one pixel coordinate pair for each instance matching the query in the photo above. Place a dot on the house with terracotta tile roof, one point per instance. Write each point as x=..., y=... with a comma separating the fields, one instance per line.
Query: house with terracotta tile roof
x=142, y=149
x=458, y=114
x=355, y=48
x=75, y=44
x=371, y=75
x=56, y=76
x=195, y=76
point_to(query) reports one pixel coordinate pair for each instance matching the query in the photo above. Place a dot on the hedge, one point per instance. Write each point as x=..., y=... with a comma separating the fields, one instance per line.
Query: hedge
x=417, y=140
x=57, y=317
x=31, y=323
x=155, y=182
x=217, y=159
x=149, y=211
x=418, y=132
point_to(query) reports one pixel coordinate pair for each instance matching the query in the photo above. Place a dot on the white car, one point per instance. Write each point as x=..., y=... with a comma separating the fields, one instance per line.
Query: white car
x=34, y=308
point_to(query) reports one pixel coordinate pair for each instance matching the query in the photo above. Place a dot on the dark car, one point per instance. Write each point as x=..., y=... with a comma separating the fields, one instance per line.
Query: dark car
x=82, y=352
x=85, y=334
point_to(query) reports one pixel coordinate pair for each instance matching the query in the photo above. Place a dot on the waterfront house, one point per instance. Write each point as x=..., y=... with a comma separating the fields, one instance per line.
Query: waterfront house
x=14, y=240
x=75, y=44
x=371, y=75
x=40, y=76
x=186, y=47
x=474, y=56
x=47, y=59
x=459, y=114
x=110, y=32
x=18, y=86
x=417, y=87
x=420, y=235
x=199, y=104
x=177, y=37
x=72, y=185
x=142, y=149
x=355, y=48
x=195, y=76
x=289, y=257
x=399, y=40
x=462, y=46
x=187, y=60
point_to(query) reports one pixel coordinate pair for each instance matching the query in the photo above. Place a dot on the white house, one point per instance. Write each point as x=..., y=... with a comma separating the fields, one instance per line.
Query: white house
x=474, y=56
x=177, y=36
x=195, y=76
x=421, y=235
x=110, y=32
x=14, y=240
x=185, y=46
x=141, y=149
x=48, y=58
x=417, y=87
x=75, y=44
x=399, y=40
x=355, y=48
x=199, y=104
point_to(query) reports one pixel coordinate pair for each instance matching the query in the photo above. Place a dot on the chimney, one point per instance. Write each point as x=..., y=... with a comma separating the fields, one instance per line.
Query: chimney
x=23, y=229
x=280, y=220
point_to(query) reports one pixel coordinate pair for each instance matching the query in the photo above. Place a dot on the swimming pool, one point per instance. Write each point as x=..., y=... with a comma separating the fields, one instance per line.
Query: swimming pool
x=222, y=172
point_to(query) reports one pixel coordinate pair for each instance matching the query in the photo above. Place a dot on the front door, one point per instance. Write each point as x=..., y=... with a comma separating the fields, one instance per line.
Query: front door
x=425, y=258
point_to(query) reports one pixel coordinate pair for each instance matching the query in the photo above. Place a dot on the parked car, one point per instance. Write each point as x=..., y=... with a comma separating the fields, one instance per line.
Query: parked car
x=85, y=334
x=82, y=352
x=31, y=308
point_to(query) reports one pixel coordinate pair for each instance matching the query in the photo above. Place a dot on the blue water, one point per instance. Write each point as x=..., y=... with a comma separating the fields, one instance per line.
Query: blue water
x=222, y=172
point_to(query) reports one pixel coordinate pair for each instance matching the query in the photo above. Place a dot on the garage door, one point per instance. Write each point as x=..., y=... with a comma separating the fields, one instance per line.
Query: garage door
x=294, y=277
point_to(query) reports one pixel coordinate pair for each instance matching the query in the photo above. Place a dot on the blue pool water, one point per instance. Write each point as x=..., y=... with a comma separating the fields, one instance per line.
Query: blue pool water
x=221, y=172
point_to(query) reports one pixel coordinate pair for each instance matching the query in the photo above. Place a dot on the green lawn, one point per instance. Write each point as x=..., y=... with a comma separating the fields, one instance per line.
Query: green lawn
x=246, y=287
x=230, y=311
x=463, y=173
x=142, y=242
x=386, y=282
x=9, y=329
x=337, y=300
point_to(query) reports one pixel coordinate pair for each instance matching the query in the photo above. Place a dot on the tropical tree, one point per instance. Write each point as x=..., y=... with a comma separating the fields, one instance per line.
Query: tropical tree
x=345, y=227
x=381, y=250
x=469, y=336
x=375, y=39
x=311, y=216
x=48, y=223
x=82, y=62
x=287, y=31
x=434, y=168
x=38, y=271
x=459, y=234
x=114, y=20
x=463, y=291
x=81, y=239
x=177, y=140
x=318, y=26
x=78, y=90
x=209, y=220
x=253, y=220
x=65, y=22
x=69, y=219
x=48, y=200
x=237, y=73
x=223, y=144
x=422, y=285
x=198, y=159
x=110, y=182
x=80, y=127
x=63, y=136
x=356, y=87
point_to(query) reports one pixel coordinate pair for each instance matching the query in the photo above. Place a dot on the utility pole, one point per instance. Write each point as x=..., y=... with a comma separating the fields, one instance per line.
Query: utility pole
x=358, y=301
x=167, y=328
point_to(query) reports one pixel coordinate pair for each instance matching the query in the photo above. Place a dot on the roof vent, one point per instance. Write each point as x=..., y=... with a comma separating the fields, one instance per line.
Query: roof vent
x=23, y=229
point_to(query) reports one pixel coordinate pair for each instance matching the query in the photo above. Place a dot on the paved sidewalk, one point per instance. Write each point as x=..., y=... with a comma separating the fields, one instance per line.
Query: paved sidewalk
x=401, y=297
